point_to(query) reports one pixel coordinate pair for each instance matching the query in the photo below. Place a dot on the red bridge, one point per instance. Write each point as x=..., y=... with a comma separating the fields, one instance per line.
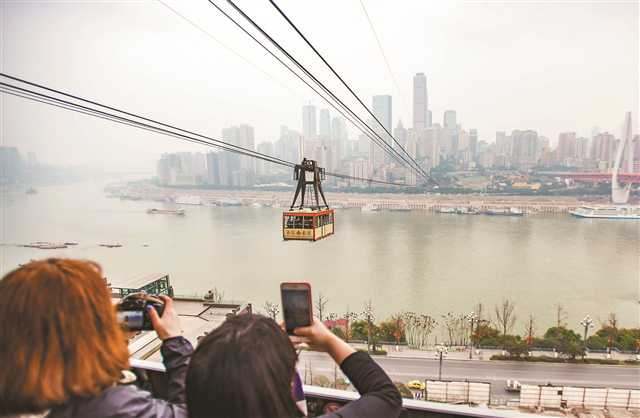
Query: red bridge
x=633, y=178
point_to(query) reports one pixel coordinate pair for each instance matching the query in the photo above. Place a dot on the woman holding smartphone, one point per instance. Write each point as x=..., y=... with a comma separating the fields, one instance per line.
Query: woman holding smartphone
x=245, y=368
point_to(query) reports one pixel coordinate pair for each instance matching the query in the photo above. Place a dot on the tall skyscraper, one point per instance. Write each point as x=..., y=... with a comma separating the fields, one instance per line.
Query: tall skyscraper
x=567, y=148
x=400, y=134
x=325, y=123
x=309, y=126
x=473, y=143
x=420, y=102
x=382, y=111
x=450, y=119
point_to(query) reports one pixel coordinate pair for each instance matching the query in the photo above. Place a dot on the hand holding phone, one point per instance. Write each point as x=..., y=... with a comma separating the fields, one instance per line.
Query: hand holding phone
x=297, y=309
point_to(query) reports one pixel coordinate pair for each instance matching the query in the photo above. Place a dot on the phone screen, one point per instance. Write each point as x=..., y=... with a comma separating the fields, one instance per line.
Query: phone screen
x=296, y=308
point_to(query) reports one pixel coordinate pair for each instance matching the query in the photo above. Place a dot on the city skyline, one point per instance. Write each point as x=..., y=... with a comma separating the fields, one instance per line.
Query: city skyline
x=543, y=76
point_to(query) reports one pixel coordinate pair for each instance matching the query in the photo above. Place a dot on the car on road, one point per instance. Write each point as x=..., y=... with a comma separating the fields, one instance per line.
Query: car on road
x=416, y=385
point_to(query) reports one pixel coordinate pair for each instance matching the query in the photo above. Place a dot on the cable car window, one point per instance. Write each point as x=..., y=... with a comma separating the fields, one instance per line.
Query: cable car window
x=298, y=222
x=308, y=222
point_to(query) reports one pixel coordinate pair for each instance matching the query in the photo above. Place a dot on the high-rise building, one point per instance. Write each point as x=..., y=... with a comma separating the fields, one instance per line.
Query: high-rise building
x=473, y=143
x=382, y=111
x=213, y=169
x=400, y=134
x=339, y=136
x=526, y=150
x=239, y=170
x=450, y=119
x=420, y=102
x=566, y=152
x=263, y=167
x=582, y=148
x=309, y=126
x=325, y=123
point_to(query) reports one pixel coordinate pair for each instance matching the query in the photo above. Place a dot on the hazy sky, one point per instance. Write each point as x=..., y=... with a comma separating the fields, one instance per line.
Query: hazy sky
x=551, y=66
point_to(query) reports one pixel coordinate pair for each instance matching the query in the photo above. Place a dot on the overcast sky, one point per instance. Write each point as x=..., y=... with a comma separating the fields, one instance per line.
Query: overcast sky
x=552, y=66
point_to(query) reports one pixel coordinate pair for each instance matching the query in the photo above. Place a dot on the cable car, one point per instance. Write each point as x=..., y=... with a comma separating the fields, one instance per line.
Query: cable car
x=309, y=222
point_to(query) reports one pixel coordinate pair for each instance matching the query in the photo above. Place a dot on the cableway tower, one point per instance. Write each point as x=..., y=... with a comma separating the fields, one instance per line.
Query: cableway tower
x=311, y=221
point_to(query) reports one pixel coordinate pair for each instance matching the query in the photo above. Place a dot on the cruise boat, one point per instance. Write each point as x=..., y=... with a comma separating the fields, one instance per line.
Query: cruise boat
x=446, y=210
x=227, y=201
x=607, y=212
x=370, y=207
x=467, y=210
x=155, y=211
x=504, y=212
x=188, y=200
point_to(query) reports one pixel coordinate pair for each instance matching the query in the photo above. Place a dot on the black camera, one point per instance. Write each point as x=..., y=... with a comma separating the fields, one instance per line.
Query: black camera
x=133, y=314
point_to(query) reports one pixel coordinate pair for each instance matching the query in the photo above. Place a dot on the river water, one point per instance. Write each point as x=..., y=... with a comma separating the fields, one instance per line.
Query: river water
x=418, y=261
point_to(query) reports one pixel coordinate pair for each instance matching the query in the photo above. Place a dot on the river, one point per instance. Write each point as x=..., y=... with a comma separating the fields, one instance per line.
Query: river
x=401, y=261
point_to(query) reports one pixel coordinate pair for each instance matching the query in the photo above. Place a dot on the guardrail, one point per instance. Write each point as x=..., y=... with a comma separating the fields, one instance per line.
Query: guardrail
x=318, y=398
x=569, y=397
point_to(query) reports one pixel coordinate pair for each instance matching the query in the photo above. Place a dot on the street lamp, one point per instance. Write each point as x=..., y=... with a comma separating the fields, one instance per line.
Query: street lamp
x=471, y=318
x=587, y=322
x=441, y=352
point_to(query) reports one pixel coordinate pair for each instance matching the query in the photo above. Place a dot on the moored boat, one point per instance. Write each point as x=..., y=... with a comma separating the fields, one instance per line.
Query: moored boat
x=607, y=212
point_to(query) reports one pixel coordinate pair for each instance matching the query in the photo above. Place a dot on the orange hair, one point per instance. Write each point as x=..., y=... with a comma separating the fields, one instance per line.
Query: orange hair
x=59, y=337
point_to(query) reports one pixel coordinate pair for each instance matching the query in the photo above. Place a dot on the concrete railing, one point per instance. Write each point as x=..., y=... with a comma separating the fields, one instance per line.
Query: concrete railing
x=318, y=397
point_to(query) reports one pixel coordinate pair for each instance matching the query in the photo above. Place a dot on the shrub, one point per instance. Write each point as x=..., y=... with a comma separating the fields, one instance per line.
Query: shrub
x=405, y=392
x=321, y=380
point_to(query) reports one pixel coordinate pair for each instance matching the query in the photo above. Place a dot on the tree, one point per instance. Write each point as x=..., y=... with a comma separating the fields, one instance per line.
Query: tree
x=272, y=310
x=565, y=341
x=417, y=328
x=338, y=332
x=391, y=330
x=505, y=317
x=359, y=330
x=450, y=323
x=369, y=316
x=530, y=329
x=561, y=316
x=320, y=304
x=517, y=348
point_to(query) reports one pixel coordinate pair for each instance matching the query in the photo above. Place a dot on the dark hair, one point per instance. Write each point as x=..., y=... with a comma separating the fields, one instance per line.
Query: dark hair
x=59, y=337
x=244, y=368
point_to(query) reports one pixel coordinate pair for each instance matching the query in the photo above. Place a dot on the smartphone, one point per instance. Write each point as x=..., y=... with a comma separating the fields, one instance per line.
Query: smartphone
x=296, y=305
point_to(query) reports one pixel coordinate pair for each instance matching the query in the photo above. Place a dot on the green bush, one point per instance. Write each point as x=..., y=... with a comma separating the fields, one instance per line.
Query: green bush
x=404, y=390
x=377, y=352
x=321, y=380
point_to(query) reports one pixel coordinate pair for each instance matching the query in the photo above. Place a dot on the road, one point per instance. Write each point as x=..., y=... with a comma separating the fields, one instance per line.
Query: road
x=495, y=372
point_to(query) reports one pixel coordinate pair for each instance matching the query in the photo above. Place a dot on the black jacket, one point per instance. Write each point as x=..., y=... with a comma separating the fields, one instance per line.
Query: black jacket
x=379, y=396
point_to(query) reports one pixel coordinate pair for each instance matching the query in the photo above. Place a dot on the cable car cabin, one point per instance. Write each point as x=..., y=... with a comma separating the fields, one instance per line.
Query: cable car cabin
x=307, y=224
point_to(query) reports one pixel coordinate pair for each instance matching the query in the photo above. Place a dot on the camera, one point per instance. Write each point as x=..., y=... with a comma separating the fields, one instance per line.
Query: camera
x=132, y=311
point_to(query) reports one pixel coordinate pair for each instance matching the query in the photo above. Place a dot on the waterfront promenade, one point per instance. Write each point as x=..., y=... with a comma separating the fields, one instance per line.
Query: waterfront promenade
x=391, y=201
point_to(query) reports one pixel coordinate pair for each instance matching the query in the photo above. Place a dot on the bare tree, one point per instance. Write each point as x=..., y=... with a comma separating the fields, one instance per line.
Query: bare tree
x=530, y=329
x=561, y=316
x=369, y=315
x=450, y=323
x=321, y=303
x=348, y=317
x=417, y=328
x=505, y=318
x=272, y=310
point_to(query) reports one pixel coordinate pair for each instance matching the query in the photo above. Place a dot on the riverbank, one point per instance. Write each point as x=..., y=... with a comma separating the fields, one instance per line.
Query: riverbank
x=385, y=201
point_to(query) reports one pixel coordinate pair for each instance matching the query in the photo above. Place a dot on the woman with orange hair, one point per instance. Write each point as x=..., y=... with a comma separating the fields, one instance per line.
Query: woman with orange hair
x=62, y=351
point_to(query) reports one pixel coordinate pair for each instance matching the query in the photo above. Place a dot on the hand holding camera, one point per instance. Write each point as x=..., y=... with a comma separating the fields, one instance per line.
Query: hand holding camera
x=142, y=312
